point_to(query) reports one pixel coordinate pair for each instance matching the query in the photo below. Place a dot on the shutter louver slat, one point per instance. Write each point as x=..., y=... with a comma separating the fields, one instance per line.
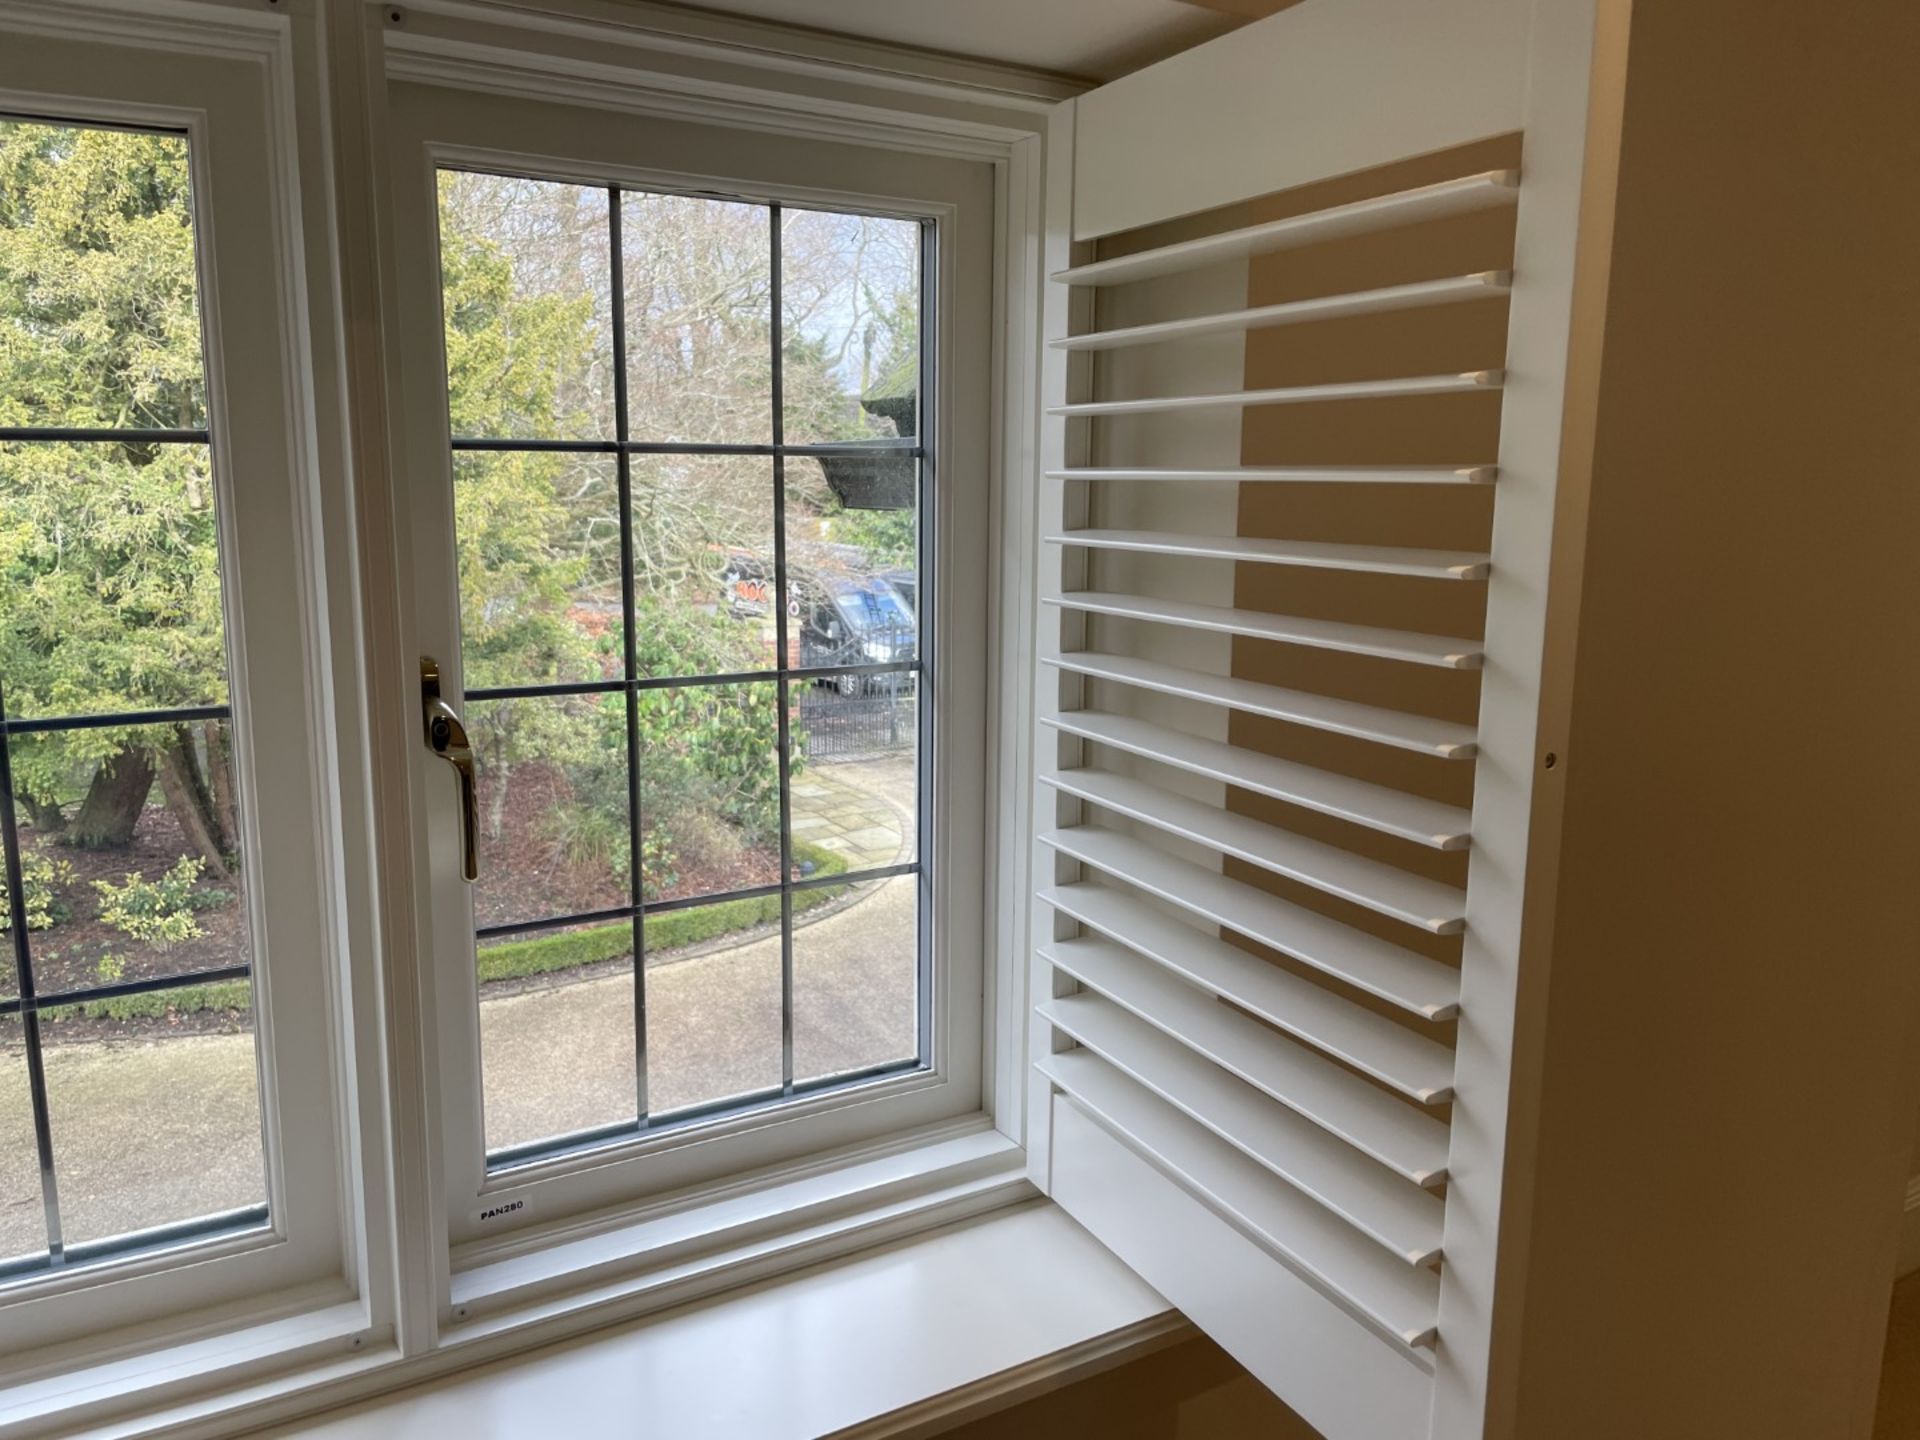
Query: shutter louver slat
x=1296, y=474
x=1297, y=707
x=1407, y=645
x=1427, y=904
x=1377, y=807
x=1464, y=383
x=1401, y=1138
x=1401, y=1301
x=1418, y=1068
x=1413, y=982
x=1364, y=559
x=1429, y=202
x=1297, y=312
x=1399, y=1216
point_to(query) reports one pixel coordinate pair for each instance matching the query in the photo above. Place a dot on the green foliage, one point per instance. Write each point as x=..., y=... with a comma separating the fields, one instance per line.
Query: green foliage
x=889, y=538
x=159, y=912
x=568, y=950
x=109, y=583
x=234, y=997
x=45, y=878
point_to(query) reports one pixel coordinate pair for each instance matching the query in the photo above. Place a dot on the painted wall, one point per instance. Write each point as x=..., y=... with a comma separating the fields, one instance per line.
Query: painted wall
x=1726, y=1107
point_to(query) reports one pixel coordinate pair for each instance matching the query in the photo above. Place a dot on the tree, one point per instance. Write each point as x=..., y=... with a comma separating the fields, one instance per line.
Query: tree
x=109, y=575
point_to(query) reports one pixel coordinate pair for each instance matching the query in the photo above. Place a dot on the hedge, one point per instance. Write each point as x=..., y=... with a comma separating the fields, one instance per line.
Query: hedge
x=513, y=959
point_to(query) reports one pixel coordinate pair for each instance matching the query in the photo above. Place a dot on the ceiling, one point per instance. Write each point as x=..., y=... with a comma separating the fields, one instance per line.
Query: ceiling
x=1090, y=39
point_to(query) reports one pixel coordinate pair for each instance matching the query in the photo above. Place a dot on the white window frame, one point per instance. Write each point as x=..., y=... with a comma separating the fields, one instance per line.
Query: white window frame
x=215, y=70
x=602, y=1232
x=559, y=1190
x=395, y=1314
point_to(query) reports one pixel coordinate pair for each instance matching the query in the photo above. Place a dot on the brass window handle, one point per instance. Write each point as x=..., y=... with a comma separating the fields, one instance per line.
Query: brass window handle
x=447, y=738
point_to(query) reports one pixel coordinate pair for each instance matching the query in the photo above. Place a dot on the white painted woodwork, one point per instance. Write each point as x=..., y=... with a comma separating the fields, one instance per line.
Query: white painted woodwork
x=1299, y=707
x=1415, y=649
x=1298, y=474
x=1163, y=1048
x=1338, y=1370
x=1378, y=807
x=1429, y=202
x=1362, y=559
x=1407, y=979
x=1395, y=1055
x=1398, y=1299
x=1297, y=312
x=1401, y=1217
x=1320, y=89
x=1374, y=1123
x=1425, y=904
x=1466, y=383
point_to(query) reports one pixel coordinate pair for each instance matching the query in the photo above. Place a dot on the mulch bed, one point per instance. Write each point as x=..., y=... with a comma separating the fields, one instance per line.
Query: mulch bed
x=525, y=875
x=67, y=956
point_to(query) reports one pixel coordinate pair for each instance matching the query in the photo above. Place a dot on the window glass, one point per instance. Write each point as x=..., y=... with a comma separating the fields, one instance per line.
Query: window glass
x=128, y=1071
x=687, y=511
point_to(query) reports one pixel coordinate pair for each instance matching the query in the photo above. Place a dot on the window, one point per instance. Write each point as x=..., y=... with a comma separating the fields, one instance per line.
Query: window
x=129, y=1094
x=176, y=857
x=688, y=478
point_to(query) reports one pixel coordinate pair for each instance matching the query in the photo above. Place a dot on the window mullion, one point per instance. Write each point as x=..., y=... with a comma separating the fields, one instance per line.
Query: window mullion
x=636, y=823
x=782, y=660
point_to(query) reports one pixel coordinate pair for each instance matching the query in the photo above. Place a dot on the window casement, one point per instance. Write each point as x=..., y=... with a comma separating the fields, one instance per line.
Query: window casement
x=725, y=710
x=171, y=1030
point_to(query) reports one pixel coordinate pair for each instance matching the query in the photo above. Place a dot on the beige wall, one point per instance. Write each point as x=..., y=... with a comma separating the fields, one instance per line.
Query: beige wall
x=1727, y=1102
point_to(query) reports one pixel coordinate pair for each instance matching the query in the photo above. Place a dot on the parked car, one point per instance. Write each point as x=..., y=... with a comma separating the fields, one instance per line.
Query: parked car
x=834, y=618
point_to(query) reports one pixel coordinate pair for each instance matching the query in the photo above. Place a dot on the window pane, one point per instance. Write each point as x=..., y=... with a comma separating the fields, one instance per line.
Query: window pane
x=709, y=788
x=699, y=319
x=551, y=772
x=129, y=845
x=713, y=1003
x=856, y=979
x=556, y=1032
x=526, y=294
x=23, y=1229
x=850, y=306
x=98, y=296
x=853, y=768
x=703, y=564
x=158, y=1131
x=109, y=579
x=539, y=552
x=853, y=543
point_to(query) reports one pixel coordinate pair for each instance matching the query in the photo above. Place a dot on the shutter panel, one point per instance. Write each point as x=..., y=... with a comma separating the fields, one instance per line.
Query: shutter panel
x=1284, y=785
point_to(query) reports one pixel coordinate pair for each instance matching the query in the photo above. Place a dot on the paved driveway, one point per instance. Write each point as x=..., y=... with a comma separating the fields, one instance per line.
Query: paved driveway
x=168, y=1128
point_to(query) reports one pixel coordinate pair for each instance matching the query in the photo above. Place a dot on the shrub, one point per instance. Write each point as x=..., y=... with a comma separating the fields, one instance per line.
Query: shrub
x=44, y=877
x=159, y=912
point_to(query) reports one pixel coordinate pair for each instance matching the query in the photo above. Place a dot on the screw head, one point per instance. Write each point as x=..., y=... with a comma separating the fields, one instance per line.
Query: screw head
x=1551, y=761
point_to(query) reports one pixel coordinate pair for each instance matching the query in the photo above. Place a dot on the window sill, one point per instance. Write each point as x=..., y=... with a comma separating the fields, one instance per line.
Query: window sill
x=904, y=1340
x=813, y=1214
x=958, y=1296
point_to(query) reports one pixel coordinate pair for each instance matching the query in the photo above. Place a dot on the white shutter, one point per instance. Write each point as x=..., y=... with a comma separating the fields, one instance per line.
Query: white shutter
x=1273, y=1031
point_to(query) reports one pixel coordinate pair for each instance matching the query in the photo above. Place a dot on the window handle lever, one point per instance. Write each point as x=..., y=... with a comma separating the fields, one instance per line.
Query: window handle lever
x=447, y=738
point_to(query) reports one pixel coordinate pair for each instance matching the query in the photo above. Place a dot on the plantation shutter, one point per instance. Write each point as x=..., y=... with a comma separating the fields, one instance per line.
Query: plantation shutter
x=1307, y=330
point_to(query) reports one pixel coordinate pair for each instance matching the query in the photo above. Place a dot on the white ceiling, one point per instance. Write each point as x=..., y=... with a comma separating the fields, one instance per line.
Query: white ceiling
x=1094, y=39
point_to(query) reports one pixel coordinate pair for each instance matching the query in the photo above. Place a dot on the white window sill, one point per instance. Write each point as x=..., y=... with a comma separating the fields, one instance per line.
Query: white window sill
x=890, y=1314
x=900, y=1340
x=915, y=1334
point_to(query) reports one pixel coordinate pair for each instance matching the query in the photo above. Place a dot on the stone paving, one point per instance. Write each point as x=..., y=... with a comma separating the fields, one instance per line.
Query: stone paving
x=168, y=1126
x=861, y=809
